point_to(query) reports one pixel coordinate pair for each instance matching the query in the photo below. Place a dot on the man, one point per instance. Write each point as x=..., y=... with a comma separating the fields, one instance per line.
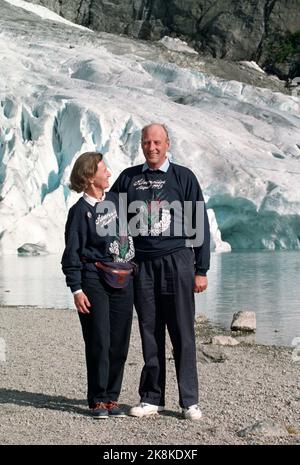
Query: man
x=169, y=272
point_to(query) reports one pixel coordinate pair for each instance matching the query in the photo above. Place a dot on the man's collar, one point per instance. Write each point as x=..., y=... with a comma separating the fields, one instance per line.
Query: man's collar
x=91, y=200
x=164, y=167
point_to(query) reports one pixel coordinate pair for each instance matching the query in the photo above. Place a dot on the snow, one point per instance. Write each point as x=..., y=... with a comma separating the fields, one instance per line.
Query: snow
x=253, y=65
x=64, y=91
x=177, y=45
x=42, y=12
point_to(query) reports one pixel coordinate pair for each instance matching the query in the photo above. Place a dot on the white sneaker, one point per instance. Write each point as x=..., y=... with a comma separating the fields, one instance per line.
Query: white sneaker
x=145, y=410
x=192, y=413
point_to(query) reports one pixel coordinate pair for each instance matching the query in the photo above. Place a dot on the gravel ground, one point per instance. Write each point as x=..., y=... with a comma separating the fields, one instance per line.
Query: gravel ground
x=43, y=383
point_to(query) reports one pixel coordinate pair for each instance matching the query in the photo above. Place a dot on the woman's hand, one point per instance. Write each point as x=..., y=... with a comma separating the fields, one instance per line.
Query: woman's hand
x=82, y=302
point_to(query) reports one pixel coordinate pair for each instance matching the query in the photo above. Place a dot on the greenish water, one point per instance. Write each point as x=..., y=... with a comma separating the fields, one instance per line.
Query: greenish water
x=265, y=282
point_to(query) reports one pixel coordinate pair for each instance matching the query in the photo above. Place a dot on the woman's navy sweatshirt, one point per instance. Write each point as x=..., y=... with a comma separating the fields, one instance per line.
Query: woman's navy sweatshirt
x=91, y=235
x=177, y=184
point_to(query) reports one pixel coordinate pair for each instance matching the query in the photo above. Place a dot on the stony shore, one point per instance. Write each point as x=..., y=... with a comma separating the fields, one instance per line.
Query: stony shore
x=43, y=383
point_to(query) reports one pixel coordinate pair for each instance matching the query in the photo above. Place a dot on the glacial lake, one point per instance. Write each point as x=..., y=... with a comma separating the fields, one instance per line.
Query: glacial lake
x=265, y=282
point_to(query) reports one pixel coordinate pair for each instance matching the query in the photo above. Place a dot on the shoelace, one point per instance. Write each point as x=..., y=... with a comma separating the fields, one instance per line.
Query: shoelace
x=112, y=404
x=100, y=405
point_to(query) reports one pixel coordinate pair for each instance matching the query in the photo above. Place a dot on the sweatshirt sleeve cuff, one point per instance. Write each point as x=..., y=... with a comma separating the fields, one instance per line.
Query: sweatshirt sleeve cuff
x=200, y=272
x=76, y=290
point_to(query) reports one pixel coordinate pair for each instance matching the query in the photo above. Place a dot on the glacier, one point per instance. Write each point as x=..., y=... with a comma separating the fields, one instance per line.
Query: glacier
x=65, y=89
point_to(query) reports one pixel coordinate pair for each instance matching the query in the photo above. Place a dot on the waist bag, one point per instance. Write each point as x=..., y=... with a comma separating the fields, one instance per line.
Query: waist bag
x=115, y=274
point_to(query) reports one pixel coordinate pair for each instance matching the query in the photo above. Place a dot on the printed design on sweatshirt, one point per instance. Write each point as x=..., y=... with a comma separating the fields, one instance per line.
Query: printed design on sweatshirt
x=122, y=249
x=156, y=218
x=143, y=184
x=104, y=220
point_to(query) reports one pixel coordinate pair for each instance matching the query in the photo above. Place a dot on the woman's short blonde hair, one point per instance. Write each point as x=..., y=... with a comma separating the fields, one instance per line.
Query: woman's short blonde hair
x=84, y=168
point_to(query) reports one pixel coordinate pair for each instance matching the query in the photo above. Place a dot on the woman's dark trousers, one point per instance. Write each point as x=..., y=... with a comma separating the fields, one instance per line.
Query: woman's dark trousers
x=106, y=332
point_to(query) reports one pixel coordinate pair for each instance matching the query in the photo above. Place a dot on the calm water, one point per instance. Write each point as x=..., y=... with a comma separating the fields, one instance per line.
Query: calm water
x=265, y=282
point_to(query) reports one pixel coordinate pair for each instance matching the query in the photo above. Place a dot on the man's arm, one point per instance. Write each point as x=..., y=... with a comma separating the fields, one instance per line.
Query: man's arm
x=202, y=252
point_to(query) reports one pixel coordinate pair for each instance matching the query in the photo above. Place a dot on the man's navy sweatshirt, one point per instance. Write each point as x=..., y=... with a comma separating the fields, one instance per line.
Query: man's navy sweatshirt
x=177, y=184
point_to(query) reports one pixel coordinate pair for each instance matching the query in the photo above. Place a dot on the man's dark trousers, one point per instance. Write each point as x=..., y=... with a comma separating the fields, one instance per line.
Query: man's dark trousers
x=164, y=297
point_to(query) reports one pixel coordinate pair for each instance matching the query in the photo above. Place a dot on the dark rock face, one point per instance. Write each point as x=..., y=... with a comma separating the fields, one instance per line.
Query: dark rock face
x=267, y=31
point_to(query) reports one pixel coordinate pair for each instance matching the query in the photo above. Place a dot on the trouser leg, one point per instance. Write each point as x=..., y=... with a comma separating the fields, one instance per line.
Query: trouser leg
x=177, y=300
x=152, y=330
x=96, y=334
x=120, y=314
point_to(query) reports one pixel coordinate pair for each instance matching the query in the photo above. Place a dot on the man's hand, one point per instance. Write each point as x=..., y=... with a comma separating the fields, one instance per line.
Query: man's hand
x=82, y=302
x=200, y=283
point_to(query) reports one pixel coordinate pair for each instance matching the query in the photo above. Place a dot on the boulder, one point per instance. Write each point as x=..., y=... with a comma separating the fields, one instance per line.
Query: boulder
x=264, y=428
x=224, y=341
x=244, y=321
x=29, y=249
x=211, y=354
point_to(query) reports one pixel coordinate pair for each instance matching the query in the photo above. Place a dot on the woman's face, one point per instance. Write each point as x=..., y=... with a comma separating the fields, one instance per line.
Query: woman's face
x=100, y=180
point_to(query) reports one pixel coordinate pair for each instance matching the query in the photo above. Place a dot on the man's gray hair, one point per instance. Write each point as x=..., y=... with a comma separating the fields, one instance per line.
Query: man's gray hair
x=163, y=126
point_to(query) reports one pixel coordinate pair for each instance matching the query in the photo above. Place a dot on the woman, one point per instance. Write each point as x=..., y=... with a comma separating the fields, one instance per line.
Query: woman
x=93, y=244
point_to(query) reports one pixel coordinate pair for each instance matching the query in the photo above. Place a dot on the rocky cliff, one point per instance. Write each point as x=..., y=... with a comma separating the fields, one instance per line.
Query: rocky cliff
x=267, y=31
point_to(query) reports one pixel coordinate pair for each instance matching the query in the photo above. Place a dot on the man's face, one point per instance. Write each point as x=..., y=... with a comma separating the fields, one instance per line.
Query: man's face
x=101, y=177
x=155, y=145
